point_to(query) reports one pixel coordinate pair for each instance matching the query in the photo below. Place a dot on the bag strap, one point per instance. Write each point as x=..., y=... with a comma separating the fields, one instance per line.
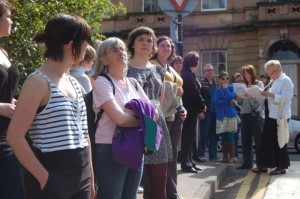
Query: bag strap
x=100, y=113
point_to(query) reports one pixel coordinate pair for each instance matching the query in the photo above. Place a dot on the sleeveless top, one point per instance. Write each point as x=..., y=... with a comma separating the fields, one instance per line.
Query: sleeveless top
x=62, y=123
x=151, y=80
x=9, y=78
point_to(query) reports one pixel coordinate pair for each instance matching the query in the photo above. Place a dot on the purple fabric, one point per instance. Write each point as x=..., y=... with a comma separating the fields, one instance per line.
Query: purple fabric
x=128, y=143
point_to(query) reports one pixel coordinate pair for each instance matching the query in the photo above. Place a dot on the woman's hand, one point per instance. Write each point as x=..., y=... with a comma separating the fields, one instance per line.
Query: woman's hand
x=267, y=94
x=233, y=102
x=179, y=91
x=249, y=96
x=43, y=180
x=156, y=115
x=183, y=114
x=201, y=116
x=93, y=190
x=129, y=111
x=7, y=109
x=239, y=100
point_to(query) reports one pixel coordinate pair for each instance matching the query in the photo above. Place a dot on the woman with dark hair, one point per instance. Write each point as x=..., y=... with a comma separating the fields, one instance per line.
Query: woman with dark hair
x=141, y=45
x=52, y=110
x=194, y=104
x=172, y=107
x=176, y=63
x=10, y=183
x=251, y=122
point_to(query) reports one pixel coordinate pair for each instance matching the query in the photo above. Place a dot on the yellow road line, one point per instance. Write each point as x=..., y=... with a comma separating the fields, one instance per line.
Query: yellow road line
x=262, y=186
x=246, y=185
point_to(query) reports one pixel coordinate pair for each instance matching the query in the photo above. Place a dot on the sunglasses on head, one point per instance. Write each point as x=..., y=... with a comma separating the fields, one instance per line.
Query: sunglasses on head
x=225, y=78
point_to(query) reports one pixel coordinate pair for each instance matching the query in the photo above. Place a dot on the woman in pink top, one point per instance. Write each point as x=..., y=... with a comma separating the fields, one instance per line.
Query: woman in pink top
x=116, y=181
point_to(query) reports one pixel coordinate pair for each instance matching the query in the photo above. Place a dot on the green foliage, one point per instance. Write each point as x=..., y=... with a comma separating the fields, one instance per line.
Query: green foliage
x=30, y=16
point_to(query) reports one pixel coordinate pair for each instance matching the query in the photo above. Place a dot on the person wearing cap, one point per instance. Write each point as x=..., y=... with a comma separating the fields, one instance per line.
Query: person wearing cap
x=237, y=78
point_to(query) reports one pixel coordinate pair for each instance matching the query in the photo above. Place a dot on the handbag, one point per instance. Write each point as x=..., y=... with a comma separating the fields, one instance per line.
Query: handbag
x=254, y=112
x=238, y=119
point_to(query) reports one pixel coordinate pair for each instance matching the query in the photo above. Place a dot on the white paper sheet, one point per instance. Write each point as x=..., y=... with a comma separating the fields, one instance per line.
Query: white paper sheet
x=240, y=89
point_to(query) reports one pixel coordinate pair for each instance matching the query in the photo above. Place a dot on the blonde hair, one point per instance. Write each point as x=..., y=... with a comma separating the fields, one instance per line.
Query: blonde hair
x=272, y=65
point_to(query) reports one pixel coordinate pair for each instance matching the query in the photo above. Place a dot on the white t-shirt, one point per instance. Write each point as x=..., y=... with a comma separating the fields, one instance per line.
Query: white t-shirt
x=103, y=92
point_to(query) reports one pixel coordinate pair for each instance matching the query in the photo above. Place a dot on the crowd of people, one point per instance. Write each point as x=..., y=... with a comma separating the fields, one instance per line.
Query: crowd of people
x=144, y=90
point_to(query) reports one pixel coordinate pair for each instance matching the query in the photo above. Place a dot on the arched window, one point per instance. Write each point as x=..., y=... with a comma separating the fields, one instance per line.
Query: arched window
x=284, y=50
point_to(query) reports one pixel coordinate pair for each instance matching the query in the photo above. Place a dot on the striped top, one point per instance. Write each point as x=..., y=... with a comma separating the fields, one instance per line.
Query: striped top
x=62, y=124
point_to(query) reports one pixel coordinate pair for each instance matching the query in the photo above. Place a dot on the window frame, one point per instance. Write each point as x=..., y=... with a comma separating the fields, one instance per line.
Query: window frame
x=151, y=5
x=212, y=9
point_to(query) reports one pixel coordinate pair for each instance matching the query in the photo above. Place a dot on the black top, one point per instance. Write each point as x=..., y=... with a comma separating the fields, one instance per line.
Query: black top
x=192, y=99
x=9, y=78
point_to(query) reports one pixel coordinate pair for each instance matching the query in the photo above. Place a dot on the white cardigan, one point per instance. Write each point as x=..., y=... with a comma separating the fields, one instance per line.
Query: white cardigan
x=282, y=88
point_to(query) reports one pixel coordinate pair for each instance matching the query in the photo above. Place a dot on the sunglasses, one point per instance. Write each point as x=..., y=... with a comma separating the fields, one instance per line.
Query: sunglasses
x=225, y=78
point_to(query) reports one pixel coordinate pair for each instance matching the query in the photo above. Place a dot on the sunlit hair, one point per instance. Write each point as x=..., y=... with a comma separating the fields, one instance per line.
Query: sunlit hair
x=177, y=59
x=252, y=71
x=5, y=5
x=59, y=31
x=90, y=54
x=105, y=47
x=191, y=59
x=138, y=32
x=272, y=65
x=173, y=49
x=223, y=74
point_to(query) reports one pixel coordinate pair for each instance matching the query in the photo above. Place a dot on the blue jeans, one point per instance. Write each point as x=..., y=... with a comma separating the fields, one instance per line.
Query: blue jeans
x=115, y=180
x=208, y=131
x=10, y=177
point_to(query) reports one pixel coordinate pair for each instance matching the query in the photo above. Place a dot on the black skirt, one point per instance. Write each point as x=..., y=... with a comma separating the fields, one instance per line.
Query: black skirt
x=272, y=154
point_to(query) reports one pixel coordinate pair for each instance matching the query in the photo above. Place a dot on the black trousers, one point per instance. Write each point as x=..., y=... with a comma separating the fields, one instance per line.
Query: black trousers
x=175, y=129
x=187, y=140
x=251, y=128
x=69, y=176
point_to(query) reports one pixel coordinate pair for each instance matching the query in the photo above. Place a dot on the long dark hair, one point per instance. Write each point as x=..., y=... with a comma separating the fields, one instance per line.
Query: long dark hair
x=137, y=32
x=173, y=49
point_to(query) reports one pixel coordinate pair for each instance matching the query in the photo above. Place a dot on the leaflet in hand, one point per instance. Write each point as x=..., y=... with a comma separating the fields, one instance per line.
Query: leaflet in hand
x=240, y=89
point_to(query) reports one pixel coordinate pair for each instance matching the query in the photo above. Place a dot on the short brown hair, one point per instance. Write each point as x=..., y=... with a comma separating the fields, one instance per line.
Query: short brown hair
x=60, y=30
x=137, y=32
x=191, y=59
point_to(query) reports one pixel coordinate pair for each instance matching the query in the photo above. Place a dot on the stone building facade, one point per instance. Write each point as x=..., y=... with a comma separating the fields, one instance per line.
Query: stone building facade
x=226, y=33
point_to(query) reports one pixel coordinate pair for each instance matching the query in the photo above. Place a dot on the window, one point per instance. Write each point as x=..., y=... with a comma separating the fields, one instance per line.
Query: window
x=284, y=50
x=150, y=6
x=212, y=5
x=217, y=58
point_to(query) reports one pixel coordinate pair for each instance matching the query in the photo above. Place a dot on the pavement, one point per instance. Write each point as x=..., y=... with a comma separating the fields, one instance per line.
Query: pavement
x=201, y=185
x=285, y=186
